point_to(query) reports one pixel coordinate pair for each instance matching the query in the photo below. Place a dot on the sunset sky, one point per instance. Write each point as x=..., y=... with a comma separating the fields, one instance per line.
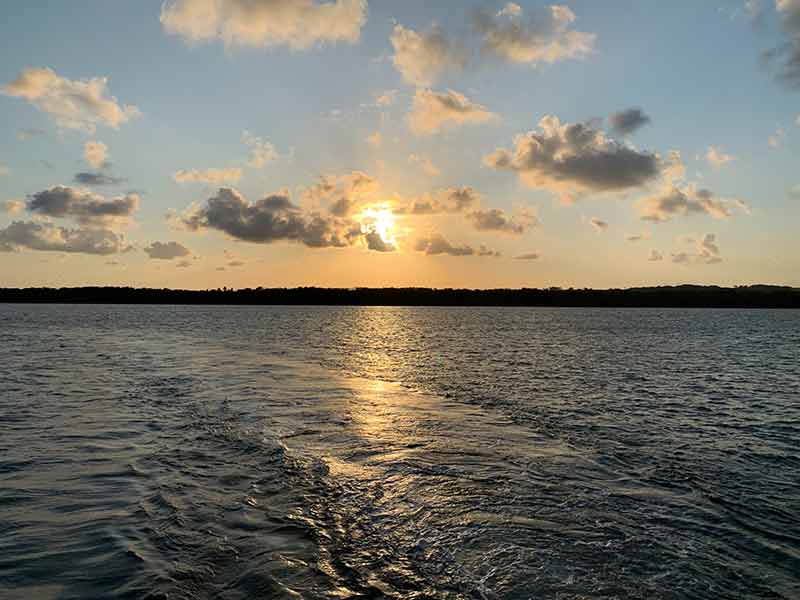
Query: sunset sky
x=243, y=143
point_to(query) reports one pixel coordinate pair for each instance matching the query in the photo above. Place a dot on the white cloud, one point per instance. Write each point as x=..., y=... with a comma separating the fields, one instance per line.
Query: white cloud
x=432, y=111
x=717, y=158
x=262, y=152
x=375, y=140
x=4, y=171
x=12, y=207
x=80, y=105
x=386, y=98
x=421, y=58
x=298, y=24
x=777, y=138
x=95, y=153
x=545, y=37
x=706, y=252
x=209, y=176
x=425, y=164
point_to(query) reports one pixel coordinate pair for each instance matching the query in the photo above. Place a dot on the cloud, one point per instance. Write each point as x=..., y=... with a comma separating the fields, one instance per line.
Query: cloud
x=86, y=207
x=26, y=134
x=435, y=244
x=183, y=264
x=794, y=192
x=4, y=171
x=343, y=194
x=262, y=152
x=298, y=24
x=628, y=121
x=166, y=250
x=785, y=59
x=431, y=111
x=717, y=158
x=270, y=219
x=446, y=200
x=12, y=207
x=208, y=176
x=81, y=105
x=97, y=179
x=495, y=219
x=599, y=225
x=386, y=98
x=49, y=238
x=425, y=164
x=574, y=159
x=776, y=139
x=655, y=256
x=376, y=242
x=95, y=153
x=672, y=202
x=375, y=140
x=484, y=251
x=421, y=58
x=527, y=256
x=637, y=237
x=545, y=37
x=706, y=252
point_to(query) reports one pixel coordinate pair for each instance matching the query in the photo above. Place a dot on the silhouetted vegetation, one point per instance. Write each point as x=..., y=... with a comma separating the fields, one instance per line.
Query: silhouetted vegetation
x=762, y=296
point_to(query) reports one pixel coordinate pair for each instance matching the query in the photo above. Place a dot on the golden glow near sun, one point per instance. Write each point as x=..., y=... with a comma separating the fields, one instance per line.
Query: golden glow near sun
x=381, y=220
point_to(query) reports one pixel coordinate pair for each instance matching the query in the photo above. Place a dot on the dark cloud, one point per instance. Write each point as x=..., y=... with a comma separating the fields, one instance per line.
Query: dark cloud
x=377, y=243
x=435, y=244
x=97, y=179
x=84, y=206
x=599, y=225
x=49, y=238
x=628, y=121
x=784, y=60
x=343, y=194
x=270, y=219
x=573, y=159
x=166, y=250
x=447, y=200
x=673, y=202
x=495, y=219
x=484, y=251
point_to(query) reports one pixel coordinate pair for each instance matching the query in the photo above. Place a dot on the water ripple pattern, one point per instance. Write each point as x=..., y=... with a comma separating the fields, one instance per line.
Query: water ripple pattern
x=169, y=452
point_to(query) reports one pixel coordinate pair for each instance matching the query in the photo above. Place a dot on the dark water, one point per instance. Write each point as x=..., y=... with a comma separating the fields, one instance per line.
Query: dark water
x=261, y=452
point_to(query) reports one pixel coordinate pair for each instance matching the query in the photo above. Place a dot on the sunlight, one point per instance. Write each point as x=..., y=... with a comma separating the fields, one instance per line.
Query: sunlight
x=381, y=220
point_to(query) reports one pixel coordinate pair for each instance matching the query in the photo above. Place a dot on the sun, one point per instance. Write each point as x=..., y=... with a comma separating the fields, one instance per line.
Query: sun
x=381, y=221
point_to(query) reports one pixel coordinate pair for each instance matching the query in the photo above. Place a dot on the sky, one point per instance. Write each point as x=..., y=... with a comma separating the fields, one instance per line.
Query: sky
x=244, y=143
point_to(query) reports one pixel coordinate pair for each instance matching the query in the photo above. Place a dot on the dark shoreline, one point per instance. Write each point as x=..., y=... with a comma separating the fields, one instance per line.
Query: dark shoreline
x=683, y=296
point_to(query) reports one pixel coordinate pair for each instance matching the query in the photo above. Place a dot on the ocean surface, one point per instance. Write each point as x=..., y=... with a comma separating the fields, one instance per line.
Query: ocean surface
x=169, y=452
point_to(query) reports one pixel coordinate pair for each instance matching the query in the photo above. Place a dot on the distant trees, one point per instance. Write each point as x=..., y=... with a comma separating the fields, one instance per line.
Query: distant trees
x=757, y=296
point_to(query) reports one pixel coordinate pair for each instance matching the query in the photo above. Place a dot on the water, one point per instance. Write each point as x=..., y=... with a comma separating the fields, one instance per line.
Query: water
x=269, y=452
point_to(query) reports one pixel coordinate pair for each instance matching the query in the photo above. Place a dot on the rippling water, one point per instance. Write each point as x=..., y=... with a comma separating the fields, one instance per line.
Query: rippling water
x=268, y=452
